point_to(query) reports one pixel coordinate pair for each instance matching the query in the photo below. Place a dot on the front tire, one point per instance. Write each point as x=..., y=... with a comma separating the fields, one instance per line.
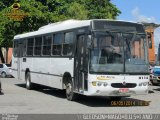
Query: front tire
x=28, y=81
x=71, y=96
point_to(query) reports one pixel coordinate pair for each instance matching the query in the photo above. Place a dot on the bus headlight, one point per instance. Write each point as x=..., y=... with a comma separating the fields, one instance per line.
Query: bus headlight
x=143, y=84
x=140, y=84
x=99, y=84
x=105, y=84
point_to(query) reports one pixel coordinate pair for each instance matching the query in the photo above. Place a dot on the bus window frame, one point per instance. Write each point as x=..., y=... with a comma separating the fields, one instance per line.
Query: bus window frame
x=15, y=40
x=36, y=46
x=42, y=45
x=32, y=46
x=86, y=30
x=73, y=42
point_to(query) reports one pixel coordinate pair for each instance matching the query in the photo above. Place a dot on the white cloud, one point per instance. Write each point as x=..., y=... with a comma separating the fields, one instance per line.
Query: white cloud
x=138, y=17
x=141, y=18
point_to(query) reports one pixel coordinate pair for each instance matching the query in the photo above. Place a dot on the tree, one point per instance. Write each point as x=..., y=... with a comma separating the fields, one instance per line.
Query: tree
x=101, y=9
x=5, y=3
x=38, y=16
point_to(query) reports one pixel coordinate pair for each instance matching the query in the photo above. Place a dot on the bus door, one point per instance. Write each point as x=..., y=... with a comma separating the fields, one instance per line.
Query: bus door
x=79, y=63
x=19, y=60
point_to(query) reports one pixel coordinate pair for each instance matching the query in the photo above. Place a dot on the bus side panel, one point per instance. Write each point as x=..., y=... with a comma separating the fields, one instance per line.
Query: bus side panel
x=48, y=71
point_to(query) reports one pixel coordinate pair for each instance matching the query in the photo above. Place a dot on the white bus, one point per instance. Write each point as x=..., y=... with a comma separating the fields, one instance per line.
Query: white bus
x=88, y=57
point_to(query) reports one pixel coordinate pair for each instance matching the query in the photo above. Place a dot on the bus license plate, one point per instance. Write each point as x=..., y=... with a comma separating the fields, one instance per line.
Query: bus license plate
x=123, y=90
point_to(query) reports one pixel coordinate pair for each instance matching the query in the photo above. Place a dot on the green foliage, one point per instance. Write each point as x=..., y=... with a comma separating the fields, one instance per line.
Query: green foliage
x=101, y=9
x=38, y=16
x=77, y=11
x=5, y=3
x=42, y=12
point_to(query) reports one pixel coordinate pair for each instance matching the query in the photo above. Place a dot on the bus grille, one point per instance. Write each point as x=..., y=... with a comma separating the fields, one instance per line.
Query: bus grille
x=120, y=85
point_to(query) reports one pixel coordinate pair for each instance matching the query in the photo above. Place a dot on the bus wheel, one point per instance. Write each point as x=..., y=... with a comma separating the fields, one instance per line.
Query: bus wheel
x=28, y=81
x=69, y=91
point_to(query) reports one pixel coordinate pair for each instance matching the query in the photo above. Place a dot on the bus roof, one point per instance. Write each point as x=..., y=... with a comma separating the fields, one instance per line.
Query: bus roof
x=59, y=26
x=55, y=27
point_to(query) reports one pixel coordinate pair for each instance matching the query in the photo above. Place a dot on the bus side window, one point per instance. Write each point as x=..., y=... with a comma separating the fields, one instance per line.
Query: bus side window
x=30, y=43
x=15, y=46
x=68, y=44
x=24, y=48
x=38, y=46
x=57, y=44
x=47, y=45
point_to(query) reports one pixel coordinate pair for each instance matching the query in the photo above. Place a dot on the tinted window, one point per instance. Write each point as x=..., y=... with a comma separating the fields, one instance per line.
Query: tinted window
x=30, y=43
x=68, y=43
x=24, y=47
x=38, y=46
x=57, y=44
x=47, y=45
x=15, y=48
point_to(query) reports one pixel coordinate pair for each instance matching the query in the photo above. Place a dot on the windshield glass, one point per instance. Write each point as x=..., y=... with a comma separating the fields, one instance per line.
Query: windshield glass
x=135, y=56
x=107, y=53
x=115, y=52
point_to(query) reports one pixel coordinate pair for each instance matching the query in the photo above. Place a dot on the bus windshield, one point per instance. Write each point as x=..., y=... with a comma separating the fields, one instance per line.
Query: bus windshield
x=116, y=52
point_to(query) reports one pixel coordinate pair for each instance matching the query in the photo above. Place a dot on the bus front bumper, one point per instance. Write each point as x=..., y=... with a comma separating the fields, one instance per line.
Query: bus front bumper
x=118, y=91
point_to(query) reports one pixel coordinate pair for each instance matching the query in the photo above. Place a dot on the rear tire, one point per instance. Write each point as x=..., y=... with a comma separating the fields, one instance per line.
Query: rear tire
x=28, y=81
x=3, y=74
x=71, y=96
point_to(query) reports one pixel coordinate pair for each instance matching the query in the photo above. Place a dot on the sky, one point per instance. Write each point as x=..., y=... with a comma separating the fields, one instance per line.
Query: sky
x=140, y=11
